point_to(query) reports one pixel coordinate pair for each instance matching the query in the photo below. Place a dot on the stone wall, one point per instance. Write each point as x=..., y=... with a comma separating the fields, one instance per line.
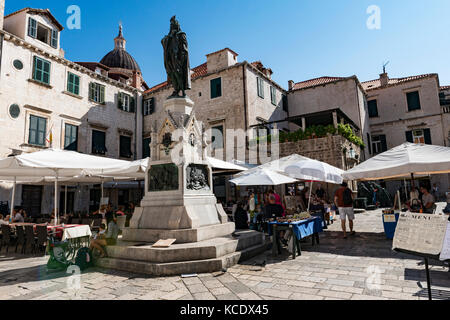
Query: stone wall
x=329, y=149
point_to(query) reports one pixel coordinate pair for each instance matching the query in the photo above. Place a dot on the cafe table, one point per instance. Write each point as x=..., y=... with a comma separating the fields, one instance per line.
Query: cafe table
x=300, y=229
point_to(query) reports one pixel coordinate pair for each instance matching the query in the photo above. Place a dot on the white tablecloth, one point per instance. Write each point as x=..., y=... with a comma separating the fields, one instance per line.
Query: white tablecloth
x=76, y=232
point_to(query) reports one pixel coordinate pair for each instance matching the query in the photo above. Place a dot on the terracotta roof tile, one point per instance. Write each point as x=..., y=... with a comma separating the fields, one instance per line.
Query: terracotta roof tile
x=375, y=84
x=316, y=82
x=198, y=71
x=445, y=88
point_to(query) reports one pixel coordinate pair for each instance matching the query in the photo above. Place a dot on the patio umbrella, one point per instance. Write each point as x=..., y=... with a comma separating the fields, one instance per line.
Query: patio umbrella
x=314, y=170
x=54, y=163
x=405, y=160
x=263, y=177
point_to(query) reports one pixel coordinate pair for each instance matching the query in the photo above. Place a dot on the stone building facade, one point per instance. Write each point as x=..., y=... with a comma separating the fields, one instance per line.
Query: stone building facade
x=47, y=101
x=312, y=99
x=407, y=109
x=231, y=99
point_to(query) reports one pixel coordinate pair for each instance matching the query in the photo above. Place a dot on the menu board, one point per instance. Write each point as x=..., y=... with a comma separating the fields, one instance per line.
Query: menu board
x=421, y=233
x=445, y=254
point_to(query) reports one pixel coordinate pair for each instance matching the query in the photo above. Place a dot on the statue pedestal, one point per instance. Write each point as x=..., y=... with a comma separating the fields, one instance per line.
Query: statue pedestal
x=179, y=204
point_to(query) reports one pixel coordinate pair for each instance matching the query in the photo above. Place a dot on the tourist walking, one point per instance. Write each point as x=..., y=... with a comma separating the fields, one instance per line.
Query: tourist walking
x=343, y=199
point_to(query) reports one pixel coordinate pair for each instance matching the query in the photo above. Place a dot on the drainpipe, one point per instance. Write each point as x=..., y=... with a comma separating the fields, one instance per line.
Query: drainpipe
x=244, y=77
x=136, y=96
x=1, y=52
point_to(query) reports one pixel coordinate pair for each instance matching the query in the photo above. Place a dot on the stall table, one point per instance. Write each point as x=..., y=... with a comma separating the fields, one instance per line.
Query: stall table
x=300, y=229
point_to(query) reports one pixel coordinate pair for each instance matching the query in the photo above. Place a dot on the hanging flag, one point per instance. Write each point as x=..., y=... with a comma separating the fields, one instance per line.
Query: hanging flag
x=49, y=137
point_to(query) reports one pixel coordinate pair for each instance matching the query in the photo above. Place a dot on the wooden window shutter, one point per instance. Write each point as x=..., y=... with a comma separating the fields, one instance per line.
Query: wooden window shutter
x=383, y=143
x=32, y=28
x=54, y=39
x=132, y=105
x=91, y=91
x=427, y=136
x=102, y=94
x=119, y=101
x=409, y=136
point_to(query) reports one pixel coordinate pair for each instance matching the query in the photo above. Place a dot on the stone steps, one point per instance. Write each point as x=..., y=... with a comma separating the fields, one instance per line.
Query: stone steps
x=200, y=257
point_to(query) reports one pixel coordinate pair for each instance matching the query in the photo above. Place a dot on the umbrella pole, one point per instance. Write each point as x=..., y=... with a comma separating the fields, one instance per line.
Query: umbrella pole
x=12, y=198
x=406, y=192
x=310, y=193
x=65, y=200
x=101, y=196
x=56, y=198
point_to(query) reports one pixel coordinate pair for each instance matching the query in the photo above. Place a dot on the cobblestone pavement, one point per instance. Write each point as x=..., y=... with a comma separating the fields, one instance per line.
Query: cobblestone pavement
x=361, y=267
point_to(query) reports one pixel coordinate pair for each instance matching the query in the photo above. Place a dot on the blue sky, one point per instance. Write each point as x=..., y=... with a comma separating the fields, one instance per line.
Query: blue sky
x=297, y=39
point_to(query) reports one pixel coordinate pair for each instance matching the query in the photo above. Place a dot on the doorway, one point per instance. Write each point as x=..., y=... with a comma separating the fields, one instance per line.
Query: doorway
x=32, y=200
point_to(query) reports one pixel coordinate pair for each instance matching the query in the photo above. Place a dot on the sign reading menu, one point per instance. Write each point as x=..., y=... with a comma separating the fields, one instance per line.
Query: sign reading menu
x=421, y=233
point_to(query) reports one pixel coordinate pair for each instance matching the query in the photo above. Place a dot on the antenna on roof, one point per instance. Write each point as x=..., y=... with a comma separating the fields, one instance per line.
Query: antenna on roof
x=384, y=66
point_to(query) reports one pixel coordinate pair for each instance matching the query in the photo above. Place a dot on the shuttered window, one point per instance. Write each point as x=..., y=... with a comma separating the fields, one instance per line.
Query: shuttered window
x=99, y=142
x=37, y=131
x=126, y=102
x=125, y=147
x=146, y=153
x=54, y=39
x=71, y=137
x=41, y=70
x=96, y=92
x=73, y=83
x=148, y=106
x=422, y=136
x=379, y=144
x=273, y=95
x=373, y=108
x=216, y=88
x=260, y=85
x=413, y=99
x=32, y=28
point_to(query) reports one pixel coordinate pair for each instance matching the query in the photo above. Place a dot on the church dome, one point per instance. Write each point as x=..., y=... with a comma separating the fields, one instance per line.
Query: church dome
x=119, y=57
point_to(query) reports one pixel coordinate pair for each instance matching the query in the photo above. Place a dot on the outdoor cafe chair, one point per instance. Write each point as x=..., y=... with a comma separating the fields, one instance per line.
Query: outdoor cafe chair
x=20, y=238
x=75, y=221
x=30, y=239
x=7, y=237
x=86, y=221
x=41, y=237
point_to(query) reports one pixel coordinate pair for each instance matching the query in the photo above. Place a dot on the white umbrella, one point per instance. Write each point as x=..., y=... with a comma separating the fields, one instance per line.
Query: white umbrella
x=54, y=163
x=220, y=166
x=313, y=170
x=405, y=160
x=263, y=177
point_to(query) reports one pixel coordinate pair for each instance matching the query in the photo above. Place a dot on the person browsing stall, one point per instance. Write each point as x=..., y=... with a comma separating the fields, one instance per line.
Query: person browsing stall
x=343, y=199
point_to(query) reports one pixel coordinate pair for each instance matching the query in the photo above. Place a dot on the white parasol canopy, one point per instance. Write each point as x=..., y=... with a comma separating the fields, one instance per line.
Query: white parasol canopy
x=263, y=177
x=57, y=164
x=402, y=161
x=313, y=170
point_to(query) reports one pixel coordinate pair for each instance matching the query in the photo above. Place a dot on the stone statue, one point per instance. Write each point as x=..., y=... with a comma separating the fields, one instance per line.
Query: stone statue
x=176, y=59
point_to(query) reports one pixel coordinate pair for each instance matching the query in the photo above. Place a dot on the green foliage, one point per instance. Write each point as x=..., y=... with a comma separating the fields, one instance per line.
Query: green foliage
x=316, y=132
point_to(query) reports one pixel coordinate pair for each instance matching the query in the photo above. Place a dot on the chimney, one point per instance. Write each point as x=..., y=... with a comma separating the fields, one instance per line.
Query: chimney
x=136, y=80
x=2, y=13
x=291, y=84
x=384, y=79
